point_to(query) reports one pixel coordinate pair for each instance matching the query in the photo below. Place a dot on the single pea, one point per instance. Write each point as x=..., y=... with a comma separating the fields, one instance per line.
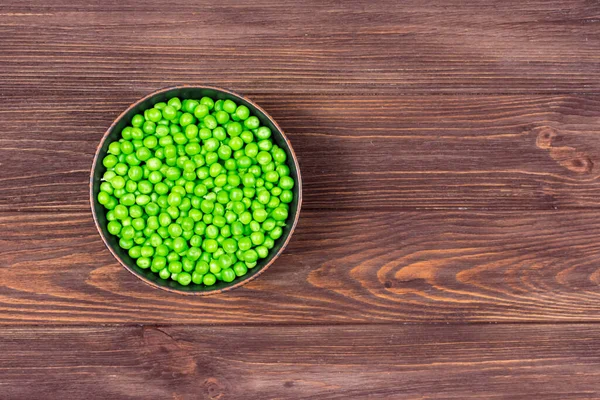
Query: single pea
x=207, y=218
x=175, y=267
x=255, y=170
x=187, y=264
x=244, y=162
x=242, y=112
x=249, y=192
x=192, y=149
x=219, y=220
x=263, y=157
x=207, y=206
x=240, y=269
x=210, y=245
x=154, y=114
x=225, y=232
x=230, y=165
x=208, y=102
x=265, y=145
x=175, y=230
x=212, y=232
x=179, y=138
x=257, y=238
x=247, y=136
x=137, y=120
x=114, y=227
x=210, y=122
x=274, y=202
x=262, y=251
x=162, y=132
x=201, y=111
x=211, y=158
x=276, y=233
x=220, y=180
x=222, y=117
x=283, y=170
x=237, y=228
x=214, y=265
x=228, y=275
x=263, y=196
x=276, y=191
x=272, y=176
x=248, y=180
x=173, y=173
x=229, y=106
x=186, y=119
x=137, y=134
x=254, y=226
x=224, y=152
x=196, y=276
x=244, y=243
x=145, y=187
x=175, y=103
x=250, y=256
x=252, y=122
x=286, y=196
x=260, y=215
x=263, y=132
x=190, y=105
x=279, y=214
x=234, y=129
x=286, y=183
x=142, y=200
x=149, y=127
x=269, y=243
x=143, y=262
x=209, y=279
x=202, y=267
x=164, y=273
x=251, y=150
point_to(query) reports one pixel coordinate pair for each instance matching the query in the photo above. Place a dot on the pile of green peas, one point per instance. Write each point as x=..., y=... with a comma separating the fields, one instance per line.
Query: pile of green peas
x=196, y=190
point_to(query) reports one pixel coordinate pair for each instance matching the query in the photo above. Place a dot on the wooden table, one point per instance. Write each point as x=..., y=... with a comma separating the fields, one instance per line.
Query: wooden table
x=449, y=242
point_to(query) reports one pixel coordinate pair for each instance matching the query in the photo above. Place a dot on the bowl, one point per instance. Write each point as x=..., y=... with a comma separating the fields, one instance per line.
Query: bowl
x=113, y=133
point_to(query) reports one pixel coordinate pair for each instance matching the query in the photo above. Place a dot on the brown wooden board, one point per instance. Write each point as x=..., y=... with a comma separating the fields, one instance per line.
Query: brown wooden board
x=342, y=267
x=449, y=152
x=337, y=362
x=355, y=152
x=345, y=47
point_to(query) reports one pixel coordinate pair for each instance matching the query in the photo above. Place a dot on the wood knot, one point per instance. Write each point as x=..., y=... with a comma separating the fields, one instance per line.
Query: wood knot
x=566, y=156
x=213, y=388
x=545, y=136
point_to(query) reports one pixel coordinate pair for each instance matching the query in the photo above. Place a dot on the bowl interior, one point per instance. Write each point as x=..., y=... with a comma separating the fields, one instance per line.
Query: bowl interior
x=114, y=133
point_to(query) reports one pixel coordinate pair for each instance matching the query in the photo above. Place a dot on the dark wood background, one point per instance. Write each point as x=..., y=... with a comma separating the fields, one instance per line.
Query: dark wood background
x=449, y=242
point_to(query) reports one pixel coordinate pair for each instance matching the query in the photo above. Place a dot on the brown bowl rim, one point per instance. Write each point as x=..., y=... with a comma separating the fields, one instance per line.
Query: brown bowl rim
x=205, y=292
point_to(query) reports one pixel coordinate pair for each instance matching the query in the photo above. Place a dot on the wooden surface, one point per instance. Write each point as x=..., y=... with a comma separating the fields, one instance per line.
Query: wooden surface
x=448, y=245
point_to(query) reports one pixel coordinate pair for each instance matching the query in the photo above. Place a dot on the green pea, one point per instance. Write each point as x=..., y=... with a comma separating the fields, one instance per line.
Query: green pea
x=252, y=122
x=175, y=267
x=209, y=279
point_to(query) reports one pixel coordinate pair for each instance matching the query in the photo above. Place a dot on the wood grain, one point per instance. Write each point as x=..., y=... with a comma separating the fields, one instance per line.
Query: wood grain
x=356, y=152
x=318, y=46
x=383, y=362
x=340, y=267
x=450, y=155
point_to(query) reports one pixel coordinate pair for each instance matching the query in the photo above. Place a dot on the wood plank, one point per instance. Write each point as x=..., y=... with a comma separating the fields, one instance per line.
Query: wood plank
x=356, y=152
x=289, y=362
x=293, y=47
x=340, y=267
